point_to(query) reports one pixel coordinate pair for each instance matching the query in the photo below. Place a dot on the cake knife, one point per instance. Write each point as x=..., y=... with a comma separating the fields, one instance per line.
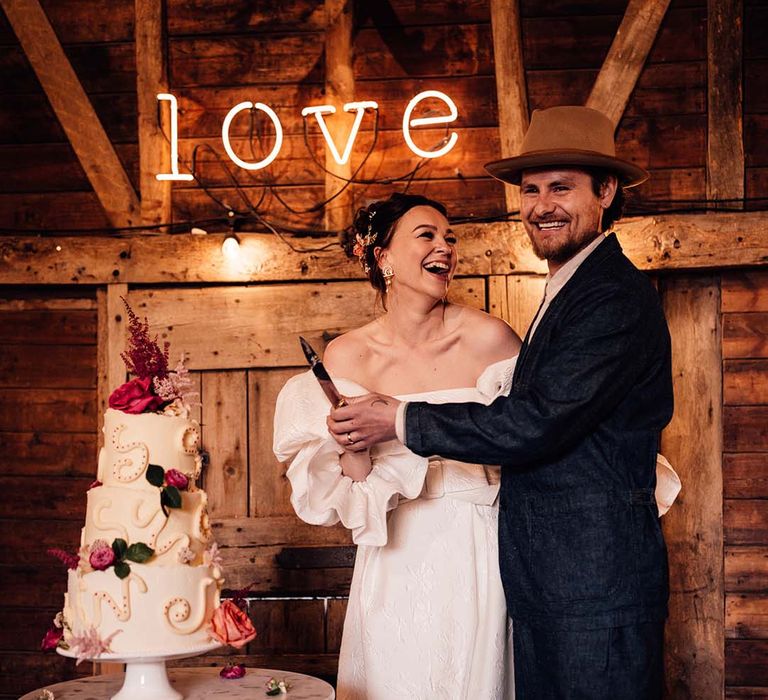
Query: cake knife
x=326, y=383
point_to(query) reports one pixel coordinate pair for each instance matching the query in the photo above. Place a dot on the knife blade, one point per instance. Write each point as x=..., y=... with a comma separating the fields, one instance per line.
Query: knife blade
x=318, y=369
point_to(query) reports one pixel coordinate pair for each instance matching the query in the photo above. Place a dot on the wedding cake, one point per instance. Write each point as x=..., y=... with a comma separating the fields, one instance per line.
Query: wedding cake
x=147, y=577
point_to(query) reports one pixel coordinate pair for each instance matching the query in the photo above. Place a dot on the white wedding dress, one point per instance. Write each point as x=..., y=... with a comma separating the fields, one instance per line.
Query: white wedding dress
x=426, y=617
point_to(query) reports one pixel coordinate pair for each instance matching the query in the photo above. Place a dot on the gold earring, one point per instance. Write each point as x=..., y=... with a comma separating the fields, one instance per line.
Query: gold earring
x=388, y=274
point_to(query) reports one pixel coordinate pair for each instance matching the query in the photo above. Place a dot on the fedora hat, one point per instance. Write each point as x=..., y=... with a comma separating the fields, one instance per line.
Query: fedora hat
x=565, y=136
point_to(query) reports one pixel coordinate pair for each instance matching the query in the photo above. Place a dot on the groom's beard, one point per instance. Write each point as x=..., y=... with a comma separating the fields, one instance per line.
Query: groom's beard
x=560, y=252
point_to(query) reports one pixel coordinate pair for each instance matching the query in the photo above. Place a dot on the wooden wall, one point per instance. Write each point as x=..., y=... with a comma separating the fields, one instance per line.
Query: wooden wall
x=745, y=481
x=48, y=443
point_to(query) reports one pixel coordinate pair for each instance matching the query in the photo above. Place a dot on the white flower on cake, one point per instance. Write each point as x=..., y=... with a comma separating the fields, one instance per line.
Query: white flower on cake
x=186, y=555
x=176, y=408
x=84, y=566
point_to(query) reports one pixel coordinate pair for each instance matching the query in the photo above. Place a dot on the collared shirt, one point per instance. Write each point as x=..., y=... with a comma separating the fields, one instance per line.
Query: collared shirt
x=554, y=284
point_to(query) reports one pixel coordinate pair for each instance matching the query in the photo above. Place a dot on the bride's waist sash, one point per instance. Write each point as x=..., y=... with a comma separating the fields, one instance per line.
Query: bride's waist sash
x=473, y=483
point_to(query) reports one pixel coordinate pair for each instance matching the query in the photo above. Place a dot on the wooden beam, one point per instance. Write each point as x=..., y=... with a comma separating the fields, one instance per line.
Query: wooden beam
x=626, y=57
x=725, y=146
x=151, y=79
x=339, y=89
x=693, y=443
x=90, y=142
x=511, y=92
x=674, y=242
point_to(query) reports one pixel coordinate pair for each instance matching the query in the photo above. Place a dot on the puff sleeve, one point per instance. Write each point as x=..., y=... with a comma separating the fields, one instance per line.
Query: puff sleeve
x=320, y=493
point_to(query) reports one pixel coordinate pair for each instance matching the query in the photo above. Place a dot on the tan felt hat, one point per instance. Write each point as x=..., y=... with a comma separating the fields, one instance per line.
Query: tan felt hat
x=563, y=136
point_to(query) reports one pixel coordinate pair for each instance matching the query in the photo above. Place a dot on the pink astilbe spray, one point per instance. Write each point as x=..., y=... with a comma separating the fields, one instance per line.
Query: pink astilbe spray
x=70, y=560
x=144, y=358
x=177, y=385
x=90, y=645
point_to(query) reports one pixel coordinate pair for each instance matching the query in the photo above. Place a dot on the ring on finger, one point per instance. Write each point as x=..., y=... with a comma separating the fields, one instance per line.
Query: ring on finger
x=349, y=439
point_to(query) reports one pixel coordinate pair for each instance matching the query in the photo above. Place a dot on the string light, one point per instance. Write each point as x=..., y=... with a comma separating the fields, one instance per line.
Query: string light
x=231, y=247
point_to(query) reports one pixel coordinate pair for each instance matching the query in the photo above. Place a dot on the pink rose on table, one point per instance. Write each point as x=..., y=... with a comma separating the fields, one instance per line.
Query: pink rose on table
x=230, y=625
x=135, y=397
x=102, y=556
x=173, y=477
x=52, y=638
x=230, y=671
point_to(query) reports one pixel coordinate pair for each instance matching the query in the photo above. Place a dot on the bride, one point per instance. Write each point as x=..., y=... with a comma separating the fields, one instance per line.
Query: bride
x=426, y=616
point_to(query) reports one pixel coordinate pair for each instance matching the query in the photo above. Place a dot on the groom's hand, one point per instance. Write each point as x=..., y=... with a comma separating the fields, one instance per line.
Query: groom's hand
x=365, y=421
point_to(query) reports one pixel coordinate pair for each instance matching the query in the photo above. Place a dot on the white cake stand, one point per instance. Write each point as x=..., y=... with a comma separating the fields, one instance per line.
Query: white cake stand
x=145, y=674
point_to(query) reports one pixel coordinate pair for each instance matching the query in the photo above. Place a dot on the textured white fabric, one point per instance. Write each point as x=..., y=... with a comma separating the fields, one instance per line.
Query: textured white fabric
x=426, y=616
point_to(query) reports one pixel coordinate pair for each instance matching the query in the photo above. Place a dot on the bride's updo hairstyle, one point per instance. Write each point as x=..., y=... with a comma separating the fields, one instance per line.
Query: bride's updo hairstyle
x=374, y=226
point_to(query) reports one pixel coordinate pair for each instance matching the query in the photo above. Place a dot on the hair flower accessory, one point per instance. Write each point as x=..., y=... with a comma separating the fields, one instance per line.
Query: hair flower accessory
x=362, y=242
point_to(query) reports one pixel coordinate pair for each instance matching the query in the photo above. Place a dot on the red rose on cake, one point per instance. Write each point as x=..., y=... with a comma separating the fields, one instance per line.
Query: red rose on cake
x=135, y=397
x=173, y=477
x=230, y=625
x=102, y=556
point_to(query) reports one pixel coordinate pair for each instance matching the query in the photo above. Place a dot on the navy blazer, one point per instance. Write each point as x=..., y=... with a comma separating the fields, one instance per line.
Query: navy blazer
x=579, y=537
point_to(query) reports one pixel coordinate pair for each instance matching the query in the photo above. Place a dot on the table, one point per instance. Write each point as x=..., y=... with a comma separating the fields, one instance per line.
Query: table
x=196, y=684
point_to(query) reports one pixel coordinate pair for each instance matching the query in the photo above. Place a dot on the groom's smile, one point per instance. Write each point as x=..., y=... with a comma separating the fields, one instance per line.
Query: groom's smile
x=560, y=212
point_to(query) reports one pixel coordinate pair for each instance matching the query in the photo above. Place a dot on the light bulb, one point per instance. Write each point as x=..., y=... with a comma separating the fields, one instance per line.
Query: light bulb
x=231, y=247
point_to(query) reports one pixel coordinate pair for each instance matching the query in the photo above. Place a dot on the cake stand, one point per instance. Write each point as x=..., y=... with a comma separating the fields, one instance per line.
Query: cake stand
x=145, y=674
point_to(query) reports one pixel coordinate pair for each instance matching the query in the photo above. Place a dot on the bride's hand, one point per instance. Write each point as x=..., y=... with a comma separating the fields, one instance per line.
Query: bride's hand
x=365, y=421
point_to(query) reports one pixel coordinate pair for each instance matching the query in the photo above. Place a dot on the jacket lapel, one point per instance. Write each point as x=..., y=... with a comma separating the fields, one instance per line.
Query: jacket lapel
x=605, y=250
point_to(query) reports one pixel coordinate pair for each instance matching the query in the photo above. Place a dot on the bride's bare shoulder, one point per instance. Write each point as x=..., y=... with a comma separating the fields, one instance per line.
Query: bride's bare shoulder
x=491, y=337
x=347, y=351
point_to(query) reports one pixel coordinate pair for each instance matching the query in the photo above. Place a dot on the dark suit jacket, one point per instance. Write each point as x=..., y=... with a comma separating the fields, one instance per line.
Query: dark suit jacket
x=579, y=536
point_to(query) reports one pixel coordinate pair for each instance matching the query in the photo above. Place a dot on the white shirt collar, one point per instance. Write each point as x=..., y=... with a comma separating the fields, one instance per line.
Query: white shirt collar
x=555, y=282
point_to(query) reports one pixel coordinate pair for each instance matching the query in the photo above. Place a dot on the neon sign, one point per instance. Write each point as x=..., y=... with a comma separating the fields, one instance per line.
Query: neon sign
x=319, y=112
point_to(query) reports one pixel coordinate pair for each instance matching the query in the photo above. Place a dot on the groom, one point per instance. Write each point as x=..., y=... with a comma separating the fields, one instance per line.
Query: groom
x=582, y=556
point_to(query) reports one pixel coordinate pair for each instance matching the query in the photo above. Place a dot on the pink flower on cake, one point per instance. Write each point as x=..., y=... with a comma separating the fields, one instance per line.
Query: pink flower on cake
x=102, y=555
x=135, y=396
x=90, y=645
x=212, y=556
x=173, y=477
x=52, y=638
x=230, y=625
